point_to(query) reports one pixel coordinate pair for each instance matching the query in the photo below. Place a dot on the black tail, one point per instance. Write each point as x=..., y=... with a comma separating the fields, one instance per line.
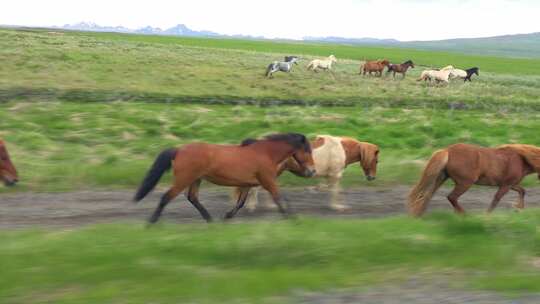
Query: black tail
x=160, y=166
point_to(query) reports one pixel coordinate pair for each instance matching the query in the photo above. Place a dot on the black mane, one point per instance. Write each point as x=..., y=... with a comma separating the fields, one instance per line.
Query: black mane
x=296, y=140
x=408, y=61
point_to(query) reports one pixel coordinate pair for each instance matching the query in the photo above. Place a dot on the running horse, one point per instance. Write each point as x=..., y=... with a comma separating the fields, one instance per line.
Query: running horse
x=464, y=74
x=322, y=64
x=400, y=68
x=504, y=166
x=332, y=155
x=8, y=173
x=283, y=66
x=244, y=166
x=374, y=66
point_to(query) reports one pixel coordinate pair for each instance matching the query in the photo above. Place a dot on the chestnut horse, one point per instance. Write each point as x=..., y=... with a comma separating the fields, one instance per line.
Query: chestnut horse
x=504, y=166
x=8, y=173
x=245, y=166
x=400, y=68
x=332, y=155
x=374, y=66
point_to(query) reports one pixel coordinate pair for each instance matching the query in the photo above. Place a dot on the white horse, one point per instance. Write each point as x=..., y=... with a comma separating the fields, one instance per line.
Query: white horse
x=325, y=64
x=448, y=67
x=439, y=76
x=332, y=155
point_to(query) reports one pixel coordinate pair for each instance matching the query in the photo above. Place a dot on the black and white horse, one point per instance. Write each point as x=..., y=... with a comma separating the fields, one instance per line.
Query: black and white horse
x=283, y=66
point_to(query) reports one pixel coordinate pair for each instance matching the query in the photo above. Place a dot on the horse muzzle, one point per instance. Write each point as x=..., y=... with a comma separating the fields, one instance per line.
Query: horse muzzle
x=11, y=183
x=370, y=178
x=310, y=172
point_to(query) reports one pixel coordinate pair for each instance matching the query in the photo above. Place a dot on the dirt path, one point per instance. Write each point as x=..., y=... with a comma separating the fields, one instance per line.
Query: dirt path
x=81, y=208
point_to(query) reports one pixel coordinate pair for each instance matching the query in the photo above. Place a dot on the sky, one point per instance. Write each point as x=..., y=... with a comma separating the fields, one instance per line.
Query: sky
x=293, y=19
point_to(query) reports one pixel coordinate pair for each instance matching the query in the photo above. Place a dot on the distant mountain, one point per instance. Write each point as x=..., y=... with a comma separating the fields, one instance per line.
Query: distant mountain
x=341, y=40
x=177, y=30
x=521, y=45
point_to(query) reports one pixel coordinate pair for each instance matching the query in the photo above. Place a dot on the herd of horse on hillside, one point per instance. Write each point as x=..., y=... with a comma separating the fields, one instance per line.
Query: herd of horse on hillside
x=443, y=75
x=259, y=162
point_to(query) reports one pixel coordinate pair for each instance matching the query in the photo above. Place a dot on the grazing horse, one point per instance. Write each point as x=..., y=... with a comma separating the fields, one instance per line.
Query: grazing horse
x=400, y=68
x=439, y=76
x=332, y=155
x=374, y=66
x=504, y=166
x=465, y=75
x=283, y=66
x=254, y=163
x=8, y=173
x=323, y=64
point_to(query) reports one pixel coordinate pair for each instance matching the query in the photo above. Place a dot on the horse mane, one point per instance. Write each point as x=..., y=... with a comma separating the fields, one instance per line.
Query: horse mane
x=408, y=61
x=530, y=153
x=367, y=152
x=472, y=70
x=296, y=140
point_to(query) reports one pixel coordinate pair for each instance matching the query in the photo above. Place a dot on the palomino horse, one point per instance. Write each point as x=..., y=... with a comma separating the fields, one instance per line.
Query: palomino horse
x=323, y=64
x=8, y=173
x=283, y=66
x=332, y=155
x=251, y=164
x=400, y=68
x=374, y=66
x=503, y=166
x=438, y=76
x=465, y=75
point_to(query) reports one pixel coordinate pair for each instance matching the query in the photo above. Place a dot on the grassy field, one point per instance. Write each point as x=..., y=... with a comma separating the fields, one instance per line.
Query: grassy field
x=265, y=262
x=89, y=67
x=64, y=146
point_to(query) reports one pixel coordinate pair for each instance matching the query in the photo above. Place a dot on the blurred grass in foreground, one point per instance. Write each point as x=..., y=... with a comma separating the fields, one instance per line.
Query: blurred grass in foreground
x=125, y=263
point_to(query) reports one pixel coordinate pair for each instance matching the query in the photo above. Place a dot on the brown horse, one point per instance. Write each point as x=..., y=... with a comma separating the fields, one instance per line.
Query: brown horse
x=254, y=163
x=374, y=66
x=504, y=166
x=8, y=173
x=400, y=68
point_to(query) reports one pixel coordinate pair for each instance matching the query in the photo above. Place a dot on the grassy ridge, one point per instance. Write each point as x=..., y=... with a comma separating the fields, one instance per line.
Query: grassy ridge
x=62, y=146
x=255, y=261
x=426, y=58
x=86, y=67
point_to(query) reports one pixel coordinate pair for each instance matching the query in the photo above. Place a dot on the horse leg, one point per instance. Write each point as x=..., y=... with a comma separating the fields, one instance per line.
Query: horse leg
x=500, y=193
x=267, y=181
x=335, y=193
x=165, y=199
x=458, y=191
x=521, y=201
x=193, y=198
x=244, y=192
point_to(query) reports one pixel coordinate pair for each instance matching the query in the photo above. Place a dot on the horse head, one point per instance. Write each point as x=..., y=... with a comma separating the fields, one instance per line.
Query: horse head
x=384, y=62
x=365, y=153
x=301, y=150
x=332, y=58
x=8, y=173
x=410, y=63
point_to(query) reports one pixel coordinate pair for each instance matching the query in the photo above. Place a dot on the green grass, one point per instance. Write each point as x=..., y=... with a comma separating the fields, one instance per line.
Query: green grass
x=91, y=67
x=257, y=261
x=66, y=146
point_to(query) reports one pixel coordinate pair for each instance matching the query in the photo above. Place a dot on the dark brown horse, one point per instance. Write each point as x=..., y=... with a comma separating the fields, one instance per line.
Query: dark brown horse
x=400, y=68
x=8, y=173
x=254, y=163
x=374, y=66
x=504, y=166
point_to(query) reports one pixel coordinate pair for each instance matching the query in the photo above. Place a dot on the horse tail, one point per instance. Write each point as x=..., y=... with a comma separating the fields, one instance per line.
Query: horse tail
x=162, y=164
x=433, y=177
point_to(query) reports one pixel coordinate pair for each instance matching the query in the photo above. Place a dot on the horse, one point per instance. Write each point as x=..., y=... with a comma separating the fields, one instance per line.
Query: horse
x=374, y=66
x=323, y=64
x=439, y=76
x=332, y=155
x=400, y=68
x=503, y=166
x=465, y=75
x=283, y=66
x=253, y=163
x=8, y=172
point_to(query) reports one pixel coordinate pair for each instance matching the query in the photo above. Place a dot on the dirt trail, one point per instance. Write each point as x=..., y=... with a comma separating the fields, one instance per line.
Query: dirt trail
x=81, y=208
